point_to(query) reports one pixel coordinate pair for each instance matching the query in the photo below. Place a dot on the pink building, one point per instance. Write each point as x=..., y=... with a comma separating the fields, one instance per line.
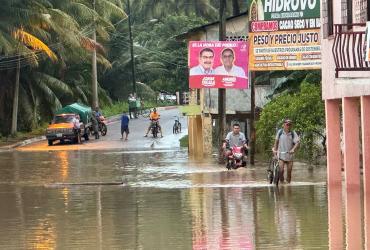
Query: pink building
x=346, y=91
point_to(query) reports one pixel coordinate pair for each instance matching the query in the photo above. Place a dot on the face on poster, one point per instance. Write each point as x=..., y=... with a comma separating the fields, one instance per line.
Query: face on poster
x=218, y=64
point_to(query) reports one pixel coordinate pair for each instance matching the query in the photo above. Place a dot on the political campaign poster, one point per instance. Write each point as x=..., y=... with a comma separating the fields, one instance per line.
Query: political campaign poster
x=284, y=35
x=218, y=64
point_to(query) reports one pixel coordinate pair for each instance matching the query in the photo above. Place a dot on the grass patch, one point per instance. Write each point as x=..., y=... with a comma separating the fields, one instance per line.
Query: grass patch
x=184, y=141
x=21, y=136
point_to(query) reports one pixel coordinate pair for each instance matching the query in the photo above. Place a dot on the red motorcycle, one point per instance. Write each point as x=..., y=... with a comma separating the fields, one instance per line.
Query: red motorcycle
x=235, y=159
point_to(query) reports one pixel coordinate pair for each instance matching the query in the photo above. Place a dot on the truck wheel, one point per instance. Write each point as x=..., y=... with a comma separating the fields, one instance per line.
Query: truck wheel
x=50, y=142
x=86, y=135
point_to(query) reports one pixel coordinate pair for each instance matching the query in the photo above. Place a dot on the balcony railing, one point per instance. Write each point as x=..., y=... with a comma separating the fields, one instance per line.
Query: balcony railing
x=349, y=48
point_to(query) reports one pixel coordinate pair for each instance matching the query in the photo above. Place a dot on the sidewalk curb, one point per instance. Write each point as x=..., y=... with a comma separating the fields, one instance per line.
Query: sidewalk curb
x=23, y=143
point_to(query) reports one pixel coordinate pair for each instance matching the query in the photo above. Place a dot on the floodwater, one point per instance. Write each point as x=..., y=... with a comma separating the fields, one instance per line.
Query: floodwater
x=156, y=199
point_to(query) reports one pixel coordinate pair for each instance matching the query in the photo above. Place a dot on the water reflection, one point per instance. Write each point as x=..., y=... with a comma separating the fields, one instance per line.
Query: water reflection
x=167, y=202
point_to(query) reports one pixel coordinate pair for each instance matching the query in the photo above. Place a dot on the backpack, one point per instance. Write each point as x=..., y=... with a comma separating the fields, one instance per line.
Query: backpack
x=280, y=132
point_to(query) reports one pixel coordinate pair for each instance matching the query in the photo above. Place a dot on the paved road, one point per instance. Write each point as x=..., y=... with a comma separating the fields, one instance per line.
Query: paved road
x=136, y=138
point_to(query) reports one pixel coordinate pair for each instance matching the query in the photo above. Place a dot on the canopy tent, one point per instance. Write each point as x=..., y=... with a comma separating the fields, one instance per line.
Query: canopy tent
x=77, y=108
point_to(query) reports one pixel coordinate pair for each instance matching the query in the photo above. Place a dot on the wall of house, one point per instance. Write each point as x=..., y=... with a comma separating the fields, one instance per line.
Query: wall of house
x=347, y=84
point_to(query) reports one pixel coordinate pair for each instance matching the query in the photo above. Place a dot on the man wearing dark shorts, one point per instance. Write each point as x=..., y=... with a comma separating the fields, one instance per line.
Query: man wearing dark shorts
x=286, y=142
x=124, y=126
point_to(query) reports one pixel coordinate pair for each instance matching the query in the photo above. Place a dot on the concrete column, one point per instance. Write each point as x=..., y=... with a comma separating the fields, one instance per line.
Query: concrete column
x=334, y=172
x=335, y=217
x=191, y=135
x=365, y=125
x=351, y=125
x=199, y=136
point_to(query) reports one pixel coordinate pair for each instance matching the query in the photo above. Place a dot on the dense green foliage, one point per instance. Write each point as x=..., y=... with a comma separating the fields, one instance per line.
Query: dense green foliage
x=305, y=107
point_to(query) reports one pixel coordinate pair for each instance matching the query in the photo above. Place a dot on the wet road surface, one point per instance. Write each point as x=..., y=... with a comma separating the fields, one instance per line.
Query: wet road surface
x=136, y=138
x=155, y=197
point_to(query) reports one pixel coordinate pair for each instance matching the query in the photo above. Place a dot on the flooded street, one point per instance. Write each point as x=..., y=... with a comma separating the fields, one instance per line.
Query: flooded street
x=154, y=199
x=147, y=193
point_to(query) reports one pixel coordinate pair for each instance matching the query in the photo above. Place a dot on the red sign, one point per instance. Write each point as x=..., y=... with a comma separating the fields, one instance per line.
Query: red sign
x=218, y=64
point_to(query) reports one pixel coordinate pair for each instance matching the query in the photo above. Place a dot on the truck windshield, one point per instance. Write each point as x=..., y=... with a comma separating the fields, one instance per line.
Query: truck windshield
x=63, y=119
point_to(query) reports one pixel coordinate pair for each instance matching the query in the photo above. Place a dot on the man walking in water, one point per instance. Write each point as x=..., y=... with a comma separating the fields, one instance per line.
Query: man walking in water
x=286, y=142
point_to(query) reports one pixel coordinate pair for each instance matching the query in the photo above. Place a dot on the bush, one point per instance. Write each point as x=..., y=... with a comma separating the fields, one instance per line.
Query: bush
x=184, y=141
x=305, y=108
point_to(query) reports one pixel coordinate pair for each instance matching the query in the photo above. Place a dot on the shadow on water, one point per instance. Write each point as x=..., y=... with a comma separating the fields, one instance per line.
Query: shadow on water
x=158, y=199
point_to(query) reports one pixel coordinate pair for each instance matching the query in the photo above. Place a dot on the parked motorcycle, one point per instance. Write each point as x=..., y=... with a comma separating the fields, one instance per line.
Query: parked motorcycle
x=102, y=127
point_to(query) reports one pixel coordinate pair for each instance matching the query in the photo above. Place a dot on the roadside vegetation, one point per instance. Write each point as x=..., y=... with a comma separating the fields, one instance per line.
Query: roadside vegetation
x=303, y=104
x=184, y=141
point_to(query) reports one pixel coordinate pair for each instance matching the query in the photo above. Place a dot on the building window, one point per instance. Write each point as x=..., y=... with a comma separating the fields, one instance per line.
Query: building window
x=367, y=10
x=330, y=17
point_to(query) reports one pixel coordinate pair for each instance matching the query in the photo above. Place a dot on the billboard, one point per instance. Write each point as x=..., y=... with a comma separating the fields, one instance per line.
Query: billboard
x=218, y=64
x=284, y=35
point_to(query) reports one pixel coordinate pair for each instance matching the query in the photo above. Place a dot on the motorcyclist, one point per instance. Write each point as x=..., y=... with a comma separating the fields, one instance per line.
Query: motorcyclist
x=154, y=117
x=236, y=138
x=97, y=113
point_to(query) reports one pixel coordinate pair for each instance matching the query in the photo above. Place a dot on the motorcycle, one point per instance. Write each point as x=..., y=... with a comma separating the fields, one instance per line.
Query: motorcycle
x=236, y=159
x=154, y=128
x=102, y=123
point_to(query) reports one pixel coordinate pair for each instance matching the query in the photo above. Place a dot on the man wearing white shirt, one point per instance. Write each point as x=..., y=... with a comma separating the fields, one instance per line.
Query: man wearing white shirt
x=206, y=57
x=228, y=67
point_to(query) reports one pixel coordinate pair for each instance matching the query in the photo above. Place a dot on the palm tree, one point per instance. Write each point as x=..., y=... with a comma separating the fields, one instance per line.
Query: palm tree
x=31, y=41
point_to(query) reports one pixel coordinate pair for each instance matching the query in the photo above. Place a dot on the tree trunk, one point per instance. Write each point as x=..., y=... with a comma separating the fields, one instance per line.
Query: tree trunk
x=236, y=8
x=15, y=99
x=95, y=102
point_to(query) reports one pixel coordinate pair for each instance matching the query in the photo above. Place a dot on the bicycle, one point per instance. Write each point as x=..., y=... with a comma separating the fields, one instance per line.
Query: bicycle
x=177, y=126
x=273, y=172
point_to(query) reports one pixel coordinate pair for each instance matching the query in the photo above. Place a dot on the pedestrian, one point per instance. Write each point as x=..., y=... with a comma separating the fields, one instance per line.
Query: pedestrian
x=286, y=142
x=77, y=127
x=124, y=126
x=95, y=124
x=132, y=105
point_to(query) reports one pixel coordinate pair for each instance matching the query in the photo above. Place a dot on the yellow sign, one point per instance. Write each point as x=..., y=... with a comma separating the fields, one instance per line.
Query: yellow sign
x=285, y=50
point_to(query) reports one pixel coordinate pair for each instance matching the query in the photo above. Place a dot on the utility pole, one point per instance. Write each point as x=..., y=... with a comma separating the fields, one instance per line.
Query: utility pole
x=253, y=118
x=95, y=100
x=131, y=48
x=222, y=91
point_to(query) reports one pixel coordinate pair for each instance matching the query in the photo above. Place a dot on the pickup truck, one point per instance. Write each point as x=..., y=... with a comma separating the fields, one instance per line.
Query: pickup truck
x=61, y=128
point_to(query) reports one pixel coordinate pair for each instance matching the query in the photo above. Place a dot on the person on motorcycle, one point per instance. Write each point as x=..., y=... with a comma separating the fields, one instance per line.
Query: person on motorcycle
x=95, y=124
x=236, y=138
x=97, y=113
x=154, y=117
